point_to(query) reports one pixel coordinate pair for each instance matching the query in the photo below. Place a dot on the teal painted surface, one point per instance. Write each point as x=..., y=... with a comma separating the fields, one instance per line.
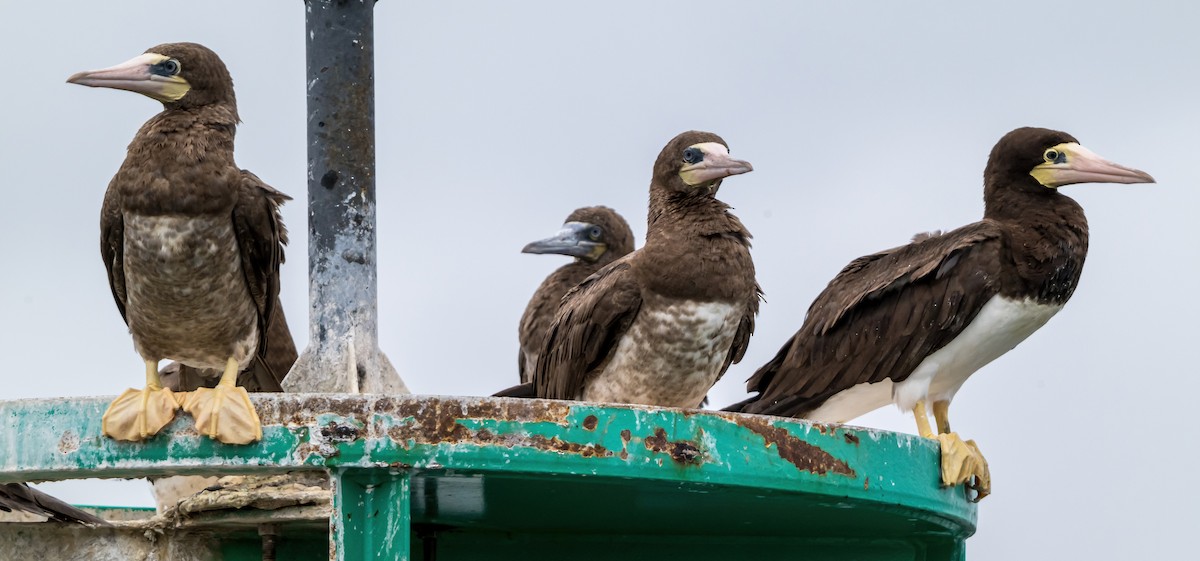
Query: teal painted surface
x=371, y=514
x=491, y=478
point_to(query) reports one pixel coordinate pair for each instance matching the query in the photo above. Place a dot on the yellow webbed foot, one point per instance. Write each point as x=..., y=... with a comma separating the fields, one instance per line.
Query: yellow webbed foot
x=224, y=413
x=963, y=463
x=137, y=414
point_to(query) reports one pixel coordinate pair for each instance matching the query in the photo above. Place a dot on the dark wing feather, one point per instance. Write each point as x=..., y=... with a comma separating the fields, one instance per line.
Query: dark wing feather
x=526, y=390
x=591, y=320
x=112, y=246
x=21, y=497
x=741, y=339
x=539, y=312
x=880, y=317
x=261, y=236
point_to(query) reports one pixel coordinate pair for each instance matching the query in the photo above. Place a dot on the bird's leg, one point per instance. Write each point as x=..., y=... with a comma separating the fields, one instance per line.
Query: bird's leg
x=225, y=412
x=961, y=460
x=922, y=420
x=137, y=414
x=941, y=414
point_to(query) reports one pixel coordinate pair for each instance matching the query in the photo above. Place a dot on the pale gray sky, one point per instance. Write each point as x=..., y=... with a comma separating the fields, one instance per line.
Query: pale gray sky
x=865, y=122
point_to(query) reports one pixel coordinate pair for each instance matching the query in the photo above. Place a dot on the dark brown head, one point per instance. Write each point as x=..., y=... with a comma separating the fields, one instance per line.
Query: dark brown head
x=594, y=233
x=694, y=163
x=180, y=75
x=1039, y=161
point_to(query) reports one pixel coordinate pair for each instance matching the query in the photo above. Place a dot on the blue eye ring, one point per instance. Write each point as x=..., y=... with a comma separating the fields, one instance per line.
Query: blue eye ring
x=693, y=155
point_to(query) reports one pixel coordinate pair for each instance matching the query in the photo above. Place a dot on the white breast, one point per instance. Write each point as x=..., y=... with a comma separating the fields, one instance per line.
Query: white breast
x=671, y=355
x=1000, y=325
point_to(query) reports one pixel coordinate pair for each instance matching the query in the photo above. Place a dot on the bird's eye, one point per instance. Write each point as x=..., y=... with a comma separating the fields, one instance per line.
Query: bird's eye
x=1051, y=156
x=171, y=66
x=594, y=233
x=693, y=155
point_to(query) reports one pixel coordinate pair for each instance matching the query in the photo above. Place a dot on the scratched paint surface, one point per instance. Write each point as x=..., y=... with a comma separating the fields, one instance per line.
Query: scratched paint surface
x=60, y=439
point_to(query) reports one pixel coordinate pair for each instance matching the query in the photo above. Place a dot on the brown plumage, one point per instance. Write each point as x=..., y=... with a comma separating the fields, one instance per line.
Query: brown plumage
x=662, y=324
x=264, y=374
x=884, y=314
x=191, y=242
x=180, y=184
x=596, y=236
x=23, y=498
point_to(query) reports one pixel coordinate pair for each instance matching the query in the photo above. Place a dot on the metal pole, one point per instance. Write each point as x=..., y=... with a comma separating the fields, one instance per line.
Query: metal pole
x=343, y=354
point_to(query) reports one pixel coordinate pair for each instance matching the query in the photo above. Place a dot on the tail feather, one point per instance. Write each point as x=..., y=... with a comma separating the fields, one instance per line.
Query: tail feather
x=525, y=390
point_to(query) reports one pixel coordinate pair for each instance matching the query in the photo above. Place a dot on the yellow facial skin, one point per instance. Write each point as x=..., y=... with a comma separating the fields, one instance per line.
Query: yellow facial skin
x=1069, y=163
x=135, y=75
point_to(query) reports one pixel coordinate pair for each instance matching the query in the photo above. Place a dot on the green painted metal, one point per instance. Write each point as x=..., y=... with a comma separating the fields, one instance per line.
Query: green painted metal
x=371, y=512
x=498, y=478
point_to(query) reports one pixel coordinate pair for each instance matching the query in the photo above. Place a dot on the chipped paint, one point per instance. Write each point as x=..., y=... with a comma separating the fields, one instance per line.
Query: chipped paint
x=370, y=435
x=682, y=452
x=802, y=454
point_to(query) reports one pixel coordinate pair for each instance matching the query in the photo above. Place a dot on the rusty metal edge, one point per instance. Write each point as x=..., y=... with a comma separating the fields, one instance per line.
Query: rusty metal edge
x=320, y=431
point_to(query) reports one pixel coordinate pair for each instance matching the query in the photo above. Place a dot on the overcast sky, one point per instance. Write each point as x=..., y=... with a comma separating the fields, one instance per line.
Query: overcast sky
x=865, y=122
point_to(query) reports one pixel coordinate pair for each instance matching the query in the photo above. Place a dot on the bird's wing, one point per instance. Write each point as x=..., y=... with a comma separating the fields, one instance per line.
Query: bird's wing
x=880, y=317
x=21, y=497
x=741, y=339
x=590, y=322
x=261, y=236
x=271, y=366
x=538, y=314
x=112, y=246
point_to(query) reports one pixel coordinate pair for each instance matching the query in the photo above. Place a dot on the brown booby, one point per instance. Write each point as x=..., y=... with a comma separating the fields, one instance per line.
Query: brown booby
x=191, y=242
x=910, y=324
x=595, y=236
x=23, y=498
x=662, y=324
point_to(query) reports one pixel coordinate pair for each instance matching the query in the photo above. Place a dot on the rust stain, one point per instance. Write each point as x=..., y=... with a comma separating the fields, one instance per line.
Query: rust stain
x=626, y=436
x=851, y=438
x=440, y=424
x=590, y=422
x=799, y=453
x=681, y=451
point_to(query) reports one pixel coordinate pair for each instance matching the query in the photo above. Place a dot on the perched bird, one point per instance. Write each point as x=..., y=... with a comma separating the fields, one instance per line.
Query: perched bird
x=595, y=236
x=662, y=324
x=910, y=324
x=23, y=498
x=191, y=242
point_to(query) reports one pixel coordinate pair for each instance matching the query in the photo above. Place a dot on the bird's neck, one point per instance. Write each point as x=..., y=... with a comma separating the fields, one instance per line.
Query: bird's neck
x=181, y=161
x=695, y=250
x=697, y=214
x=1047, y=240
x=194, y=133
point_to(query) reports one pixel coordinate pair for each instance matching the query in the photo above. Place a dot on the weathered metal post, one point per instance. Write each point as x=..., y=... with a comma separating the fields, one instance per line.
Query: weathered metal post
x=343, y=352
x=372, y=510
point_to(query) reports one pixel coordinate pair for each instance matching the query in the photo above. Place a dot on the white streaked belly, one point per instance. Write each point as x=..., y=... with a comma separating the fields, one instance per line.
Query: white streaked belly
x=1001, y=325
x=671, y=355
